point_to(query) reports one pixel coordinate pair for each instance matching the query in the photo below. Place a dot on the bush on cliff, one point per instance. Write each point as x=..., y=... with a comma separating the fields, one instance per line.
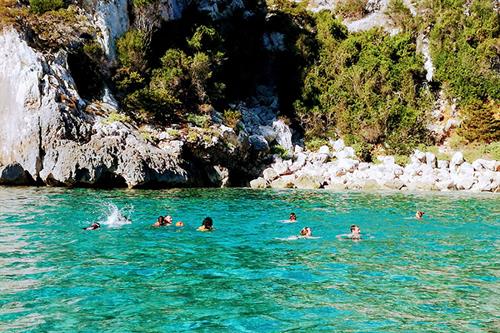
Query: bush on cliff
x=465, y=48
x=42, y=6
x=180, y=84
x=367, y=87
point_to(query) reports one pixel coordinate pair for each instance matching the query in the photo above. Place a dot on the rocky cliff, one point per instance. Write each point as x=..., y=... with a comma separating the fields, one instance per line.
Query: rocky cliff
x=50, y=135
x=61, y=124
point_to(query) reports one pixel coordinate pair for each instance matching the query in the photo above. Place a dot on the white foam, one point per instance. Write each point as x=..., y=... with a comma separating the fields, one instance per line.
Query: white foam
x=114, y=217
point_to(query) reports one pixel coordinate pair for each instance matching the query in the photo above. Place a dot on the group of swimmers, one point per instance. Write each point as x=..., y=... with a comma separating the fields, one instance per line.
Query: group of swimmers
x=306, y=232
x=208, y=225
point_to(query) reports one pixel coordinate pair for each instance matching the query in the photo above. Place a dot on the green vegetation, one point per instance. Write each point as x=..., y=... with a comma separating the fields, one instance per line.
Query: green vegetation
x=402, y=160
x=200, y=120
x=351, y=9
x=42, y=6
x=232, y=118
x=367, y=87
x=281, y=152
x=465, y=47
x=114, y=116
x=314, y=143
x=182, y=83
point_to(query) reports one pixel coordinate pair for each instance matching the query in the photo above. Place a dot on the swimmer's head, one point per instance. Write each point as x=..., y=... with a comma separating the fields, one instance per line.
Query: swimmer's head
x=293, y=217
x=160, y=219
x=306, y=231
x=179, y=224
x=208, y=223
x=168, y=219
x=355, y=229
x=419, y=214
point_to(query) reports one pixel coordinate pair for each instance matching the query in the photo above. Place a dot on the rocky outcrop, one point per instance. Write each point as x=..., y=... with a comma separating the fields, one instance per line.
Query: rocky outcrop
x=111, y=18
x=14, y=174
x=45, y=131
x=336, y=167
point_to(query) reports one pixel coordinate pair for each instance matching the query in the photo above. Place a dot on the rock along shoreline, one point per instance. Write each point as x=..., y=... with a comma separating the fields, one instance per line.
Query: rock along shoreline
x=336, y=167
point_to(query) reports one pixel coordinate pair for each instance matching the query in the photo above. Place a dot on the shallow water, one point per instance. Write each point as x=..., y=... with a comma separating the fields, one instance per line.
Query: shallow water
x=437, y=275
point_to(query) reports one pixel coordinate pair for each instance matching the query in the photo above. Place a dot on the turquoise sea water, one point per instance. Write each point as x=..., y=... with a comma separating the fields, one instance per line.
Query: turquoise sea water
x=436, y=275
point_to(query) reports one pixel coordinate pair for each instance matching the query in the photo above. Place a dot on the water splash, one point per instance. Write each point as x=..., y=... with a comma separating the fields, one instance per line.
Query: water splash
x=114, y=217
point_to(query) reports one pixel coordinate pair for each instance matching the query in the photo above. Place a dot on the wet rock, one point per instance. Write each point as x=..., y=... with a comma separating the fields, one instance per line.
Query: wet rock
x=394, y=184
x=14, y=174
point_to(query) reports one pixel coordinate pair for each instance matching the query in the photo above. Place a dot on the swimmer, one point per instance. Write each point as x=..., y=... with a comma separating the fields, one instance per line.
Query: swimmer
x=355, y=232
x=93, y=226
x=419, y=214
x=293, y=217
x=179, y=224
x=207, y=225
x=306, y=232
x=167, y=220
x=354, y=235
x=159, y=222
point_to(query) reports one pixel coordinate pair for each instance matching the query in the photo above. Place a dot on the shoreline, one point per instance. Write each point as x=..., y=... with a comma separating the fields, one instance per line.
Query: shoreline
x=335, y=166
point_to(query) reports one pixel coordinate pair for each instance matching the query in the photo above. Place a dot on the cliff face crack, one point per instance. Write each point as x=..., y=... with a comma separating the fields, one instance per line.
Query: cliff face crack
x=41, y=152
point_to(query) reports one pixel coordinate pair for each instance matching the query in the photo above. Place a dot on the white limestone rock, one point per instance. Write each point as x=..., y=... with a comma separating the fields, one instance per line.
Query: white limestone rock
x=270, y=174
x=456, y=160
x=258, y=183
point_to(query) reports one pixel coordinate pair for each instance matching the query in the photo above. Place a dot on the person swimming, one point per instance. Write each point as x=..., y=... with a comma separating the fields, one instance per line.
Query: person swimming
x=167, y=220
x=159, y=222
x=354, y=235
x=419, y=214
x=206, y=225
x=306, y=232
x=355, y=232
x=93, y=226
x=293, y=217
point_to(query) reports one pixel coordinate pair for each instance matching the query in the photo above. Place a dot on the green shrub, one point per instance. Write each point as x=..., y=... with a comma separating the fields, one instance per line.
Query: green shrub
x=313, y=144
x=232, y=117
x=42, y=6
x=465, y=52
x=368, y=86
x=352, y=9
x=281, y=152
x=131, y=50
x=199, y=120
x=402, y=160
x=115, y=116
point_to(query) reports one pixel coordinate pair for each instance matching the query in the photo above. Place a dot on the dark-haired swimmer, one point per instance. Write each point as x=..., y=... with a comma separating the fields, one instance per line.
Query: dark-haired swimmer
x=306, y=232
x=93, y=226
x=159, y=222
x=419, y=214
x=293, y=217
x=354, y=235
x=206, y=225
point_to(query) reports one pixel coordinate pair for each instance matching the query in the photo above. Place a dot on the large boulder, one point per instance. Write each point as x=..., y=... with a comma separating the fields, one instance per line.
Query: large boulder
x=258, y=183
x=14, y=174
x=299, y=162
x=457, y=160
x=308, y=182
x=270, y=174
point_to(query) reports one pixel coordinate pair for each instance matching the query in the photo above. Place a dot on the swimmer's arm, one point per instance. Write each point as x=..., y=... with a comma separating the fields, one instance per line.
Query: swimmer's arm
x=344, y=236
